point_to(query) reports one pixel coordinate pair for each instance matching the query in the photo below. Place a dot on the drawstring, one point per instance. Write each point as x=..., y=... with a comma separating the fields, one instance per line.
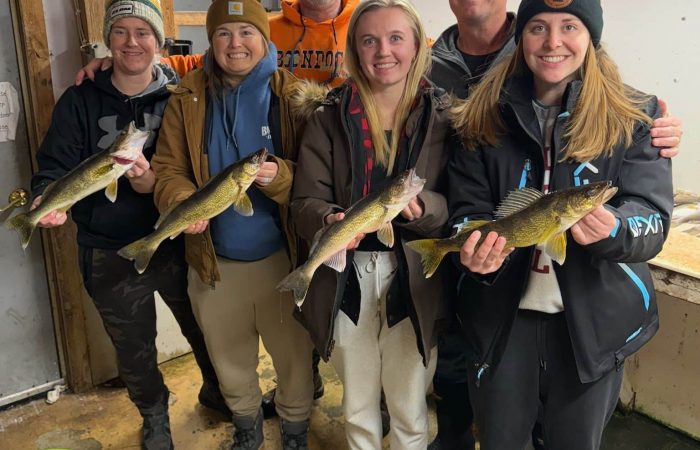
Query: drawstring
x=301, y=38
x=334, y=72
x=231, y=134
x=370, y=267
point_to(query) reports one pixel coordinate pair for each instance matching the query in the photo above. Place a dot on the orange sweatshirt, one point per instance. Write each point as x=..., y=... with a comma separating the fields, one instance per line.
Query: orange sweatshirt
x=311, y=50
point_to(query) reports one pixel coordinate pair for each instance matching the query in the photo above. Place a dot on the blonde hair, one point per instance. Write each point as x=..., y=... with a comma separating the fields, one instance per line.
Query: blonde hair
x=385, y=152
x=604, y=116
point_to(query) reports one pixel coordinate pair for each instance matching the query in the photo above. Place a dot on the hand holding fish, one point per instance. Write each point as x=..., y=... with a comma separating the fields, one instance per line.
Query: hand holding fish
x=141, y=177
x=488, y=257
x=414, y=209
x=594, y=226
x=267, y=173
x=355, y=242
x=51, y=220
x=197, y=227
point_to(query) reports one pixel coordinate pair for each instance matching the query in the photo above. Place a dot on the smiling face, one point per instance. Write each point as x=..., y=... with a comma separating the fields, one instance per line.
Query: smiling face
x=554, y=48
x=386, y=47
x=237, y=48
x=133, y=44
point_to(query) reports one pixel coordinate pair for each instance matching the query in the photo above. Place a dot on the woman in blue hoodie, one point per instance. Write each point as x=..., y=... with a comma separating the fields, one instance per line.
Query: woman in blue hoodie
x=238, y=103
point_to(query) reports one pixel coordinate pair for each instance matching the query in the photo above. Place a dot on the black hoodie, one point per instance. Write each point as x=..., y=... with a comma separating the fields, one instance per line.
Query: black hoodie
x=86, y=120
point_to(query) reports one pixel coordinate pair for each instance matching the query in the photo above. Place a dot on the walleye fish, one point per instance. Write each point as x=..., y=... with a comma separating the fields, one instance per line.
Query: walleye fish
x=526, y=217
x=227, y=188
x=372, y=213
x=99, y=171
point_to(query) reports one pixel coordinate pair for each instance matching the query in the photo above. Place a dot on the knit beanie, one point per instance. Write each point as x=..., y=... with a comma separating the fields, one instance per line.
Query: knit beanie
x=588, y=11
x=146, y=10
x=227, y=11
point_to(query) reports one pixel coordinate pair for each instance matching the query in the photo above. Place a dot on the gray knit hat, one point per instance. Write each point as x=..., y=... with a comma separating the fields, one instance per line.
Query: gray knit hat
x=588, y=11
x=146, y=10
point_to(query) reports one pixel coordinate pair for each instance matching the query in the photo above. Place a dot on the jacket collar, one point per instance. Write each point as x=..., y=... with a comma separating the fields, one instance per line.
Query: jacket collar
x=445, y=48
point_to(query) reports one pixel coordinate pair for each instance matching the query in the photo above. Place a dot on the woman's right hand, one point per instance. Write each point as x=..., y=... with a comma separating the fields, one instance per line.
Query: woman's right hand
x=197, y=227
x=487, y=257
x=91, y=68
x=53, y=219
x=352, y=245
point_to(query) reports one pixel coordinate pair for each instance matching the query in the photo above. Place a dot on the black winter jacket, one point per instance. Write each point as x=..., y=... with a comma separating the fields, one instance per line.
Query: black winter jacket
x=607, y=289
x=86, y=120
x=450, y=72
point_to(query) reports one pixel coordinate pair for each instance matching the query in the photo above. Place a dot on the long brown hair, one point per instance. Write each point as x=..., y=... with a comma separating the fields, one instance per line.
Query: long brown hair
x=385, y=152
x=604, y=116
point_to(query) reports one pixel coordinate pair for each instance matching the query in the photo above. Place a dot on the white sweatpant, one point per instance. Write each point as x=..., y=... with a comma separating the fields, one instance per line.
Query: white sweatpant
x=370, y=356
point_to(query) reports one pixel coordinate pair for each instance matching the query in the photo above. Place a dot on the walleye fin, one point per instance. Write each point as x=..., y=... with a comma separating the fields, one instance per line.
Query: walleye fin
x=555, y=247
x=111, y=190
x=243, y=206
x=298, y=282
x=431, y=254
x=337, y=262
x=21, y=224
x=517, y=201
x=385, y=234
x=140, y=252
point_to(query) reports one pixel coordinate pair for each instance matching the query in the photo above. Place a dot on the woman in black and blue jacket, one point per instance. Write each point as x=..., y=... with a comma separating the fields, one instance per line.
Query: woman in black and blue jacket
x=546, y=339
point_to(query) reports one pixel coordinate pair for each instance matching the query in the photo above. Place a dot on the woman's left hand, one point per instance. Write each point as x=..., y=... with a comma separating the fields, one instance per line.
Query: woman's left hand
x=594, y=226
x=267, y=173
x=414, y=209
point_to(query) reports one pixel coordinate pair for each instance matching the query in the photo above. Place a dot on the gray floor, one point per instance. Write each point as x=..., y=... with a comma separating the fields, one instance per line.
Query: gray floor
x=637, y=432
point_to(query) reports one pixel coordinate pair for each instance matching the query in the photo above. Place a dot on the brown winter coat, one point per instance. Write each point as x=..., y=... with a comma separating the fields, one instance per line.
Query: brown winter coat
x=323, y=185
x=182, y=166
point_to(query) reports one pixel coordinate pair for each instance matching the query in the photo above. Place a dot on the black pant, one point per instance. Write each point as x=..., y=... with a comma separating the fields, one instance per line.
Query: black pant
x=126, y=304
x=453, y=410
x=538, y=370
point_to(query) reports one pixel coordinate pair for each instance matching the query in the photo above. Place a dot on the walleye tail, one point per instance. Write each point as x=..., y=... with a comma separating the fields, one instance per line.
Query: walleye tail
x=298, y=282
x=21, y=224
x=431, y=253
x=140, y=252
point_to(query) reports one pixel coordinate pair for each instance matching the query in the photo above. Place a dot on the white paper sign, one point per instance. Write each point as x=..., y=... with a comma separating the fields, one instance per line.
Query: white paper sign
x=9, y=111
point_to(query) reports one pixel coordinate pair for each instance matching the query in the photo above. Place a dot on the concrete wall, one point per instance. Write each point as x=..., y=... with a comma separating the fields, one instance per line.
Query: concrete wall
x=657, y=46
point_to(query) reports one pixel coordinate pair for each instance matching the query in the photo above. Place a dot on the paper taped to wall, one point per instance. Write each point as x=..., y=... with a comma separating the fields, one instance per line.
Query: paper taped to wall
x=9, y=111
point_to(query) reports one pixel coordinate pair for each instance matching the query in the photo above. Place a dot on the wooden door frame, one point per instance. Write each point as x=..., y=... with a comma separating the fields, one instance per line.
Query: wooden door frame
x=60, y=253
x=60, y=250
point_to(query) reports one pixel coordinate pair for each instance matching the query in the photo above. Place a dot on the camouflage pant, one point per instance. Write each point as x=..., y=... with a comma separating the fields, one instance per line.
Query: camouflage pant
x=126, y=304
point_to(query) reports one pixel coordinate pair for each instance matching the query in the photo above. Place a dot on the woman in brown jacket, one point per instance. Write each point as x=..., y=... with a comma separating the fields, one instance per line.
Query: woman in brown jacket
x=237, y=104
x=377, y=319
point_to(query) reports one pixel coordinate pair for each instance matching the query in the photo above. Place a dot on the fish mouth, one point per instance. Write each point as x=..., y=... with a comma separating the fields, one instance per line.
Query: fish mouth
x=122, y=161
x=607, y=192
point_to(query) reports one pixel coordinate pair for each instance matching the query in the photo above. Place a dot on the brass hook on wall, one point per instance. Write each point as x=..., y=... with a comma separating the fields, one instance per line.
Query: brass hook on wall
x=18, y=197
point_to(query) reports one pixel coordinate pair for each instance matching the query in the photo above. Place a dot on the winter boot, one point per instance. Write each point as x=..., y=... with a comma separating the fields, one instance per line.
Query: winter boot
x=294, y=435
x=210, y=396
x=248, y=432
x=156, y=427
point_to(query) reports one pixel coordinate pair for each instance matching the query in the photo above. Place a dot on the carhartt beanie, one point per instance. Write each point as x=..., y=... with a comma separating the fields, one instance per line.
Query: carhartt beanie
x=588, y=11
x=146, y=10
x=227, y=11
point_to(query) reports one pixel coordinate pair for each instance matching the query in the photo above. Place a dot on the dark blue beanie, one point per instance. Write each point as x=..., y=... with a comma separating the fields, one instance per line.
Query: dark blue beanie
x=588, y=11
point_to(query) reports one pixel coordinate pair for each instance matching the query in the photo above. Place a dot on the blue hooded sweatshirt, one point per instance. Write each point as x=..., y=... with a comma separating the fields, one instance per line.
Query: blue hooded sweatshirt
x=238, y=127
